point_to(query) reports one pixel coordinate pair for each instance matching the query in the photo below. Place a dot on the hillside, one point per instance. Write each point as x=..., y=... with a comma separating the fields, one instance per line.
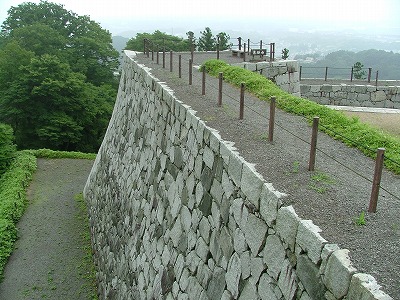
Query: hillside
x=387, y=63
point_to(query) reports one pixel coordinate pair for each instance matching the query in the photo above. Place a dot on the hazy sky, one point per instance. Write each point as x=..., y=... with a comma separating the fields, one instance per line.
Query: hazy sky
x=123, y=15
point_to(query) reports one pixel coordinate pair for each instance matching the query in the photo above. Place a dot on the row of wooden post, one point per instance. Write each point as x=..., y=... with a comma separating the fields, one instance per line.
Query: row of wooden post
x=314, y=135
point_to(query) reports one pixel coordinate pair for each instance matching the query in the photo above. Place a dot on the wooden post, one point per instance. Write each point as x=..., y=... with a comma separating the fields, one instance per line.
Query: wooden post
x=180, y=66
x=248, y=46
x=163, y=59
x=192, y=52
x=240, y=42
x=270, y=52
x=190, y=71
x=144, y=45
x=377, y=180
x=220, y=77
x=241, y=109
x=352, y=73
x=326, y=73
x=218, y=51
x=170, y=60
x=313, y=150
x=376, y=79
x=158, y=56
x=244, y=52
x=203, y=81
x=271, y=119
x=152, y=53
x=301, y=68
x=369, y=74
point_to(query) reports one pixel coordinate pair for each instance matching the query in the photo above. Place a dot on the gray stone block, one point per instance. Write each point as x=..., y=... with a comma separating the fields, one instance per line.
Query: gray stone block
x=249, y=291
x=232, y=275
x=309, y=239
x=338, y=273
x=309, y=276
x=255, y=231
x=217, y=285
x=251, y=184
x=287, y=223
x=274, y=255
x=365, y=287
x=266, y=288
x=287, y=281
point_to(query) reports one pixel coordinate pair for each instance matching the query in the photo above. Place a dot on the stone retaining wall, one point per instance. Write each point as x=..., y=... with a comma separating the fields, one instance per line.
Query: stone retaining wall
x=353, y=95
x=284, y=73
x=177, y=213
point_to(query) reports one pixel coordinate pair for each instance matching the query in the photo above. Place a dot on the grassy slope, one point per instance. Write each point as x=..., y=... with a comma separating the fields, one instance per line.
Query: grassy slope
x=349, y=130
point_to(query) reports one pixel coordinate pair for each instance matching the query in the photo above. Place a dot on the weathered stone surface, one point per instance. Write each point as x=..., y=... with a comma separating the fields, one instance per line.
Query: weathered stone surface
x=217, y=285
x=287, y=223
x=309, y=239
x=269, y=203
x=365, y=287
x=251, y=184
x=274, y=255
x=249, y=291
x=338, y=273
x=265, y=288
x=308, y=274
x=287, y=281
x=255, y=230
x=232, y=275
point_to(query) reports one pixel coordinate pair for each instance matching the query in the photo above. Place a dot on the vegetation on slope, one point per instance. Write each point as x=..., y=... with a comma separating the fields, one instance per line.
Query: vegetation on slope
x=349, y=130
x=13, y=184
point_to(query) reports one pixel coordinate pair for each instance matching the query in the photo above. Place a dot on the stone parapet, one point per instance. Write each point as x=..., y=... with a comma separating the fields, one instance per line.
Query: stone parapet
x=352, y=95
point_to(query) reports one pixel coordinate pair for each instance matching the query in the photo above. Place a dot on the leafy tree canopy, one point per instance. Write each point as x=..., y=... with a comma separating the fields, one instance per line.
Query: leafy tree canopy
x=57, y=87
x=82, y=42
x=158, y=40
x=7, y=147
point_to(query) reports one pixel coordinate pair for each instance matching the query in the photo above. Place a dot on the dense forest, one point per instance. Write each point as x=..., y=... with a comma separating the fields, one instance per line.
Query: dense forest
x=57, y=87
x=387, y=63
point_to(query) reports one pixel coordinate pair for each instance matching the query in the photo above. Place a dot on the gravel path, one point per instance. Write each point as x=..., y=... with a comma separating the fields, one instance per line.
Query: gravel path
x=333, y=196
x=49, y=259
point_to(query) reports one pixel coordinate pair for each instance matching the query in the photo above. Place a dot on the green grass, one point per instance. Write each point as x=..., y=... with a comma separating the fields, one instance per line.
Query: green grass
x=348, y=130
x=86, y=268
x=360, y=220
x=13, y=185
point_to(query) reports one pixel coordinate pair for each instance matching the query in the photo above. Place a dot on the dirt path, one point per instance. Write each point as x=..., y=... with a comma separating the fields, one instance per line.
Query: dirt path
x=49, y=259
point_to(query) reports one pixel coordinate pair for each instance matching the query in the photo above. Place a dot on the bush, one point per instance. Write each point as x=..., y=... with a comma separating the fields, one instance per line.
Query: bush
x=13, y=186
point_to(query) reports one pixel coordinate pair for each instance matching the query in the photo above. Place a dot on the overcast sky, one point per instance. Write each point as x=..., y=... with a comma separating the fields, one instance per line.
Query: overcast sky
x=122, y=15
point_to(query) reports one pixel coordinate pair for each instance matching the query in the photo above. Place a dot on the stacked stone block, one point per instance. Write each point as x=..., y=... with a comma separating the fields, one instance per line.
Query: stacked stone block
x=177, y=213
x=353, y=95
x=284, y=73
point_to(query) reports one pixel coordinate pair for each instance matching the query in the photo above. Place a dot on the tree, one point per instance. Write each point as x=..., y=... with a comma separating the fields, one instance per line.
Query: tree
x=285, y=53
x=206, y=40
x=7, y=147
x=358, y=71
x=191, y=40
x=158, y=40
x=57, y=87
x=50, y=106
x=223, y=39
x=82, y=42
